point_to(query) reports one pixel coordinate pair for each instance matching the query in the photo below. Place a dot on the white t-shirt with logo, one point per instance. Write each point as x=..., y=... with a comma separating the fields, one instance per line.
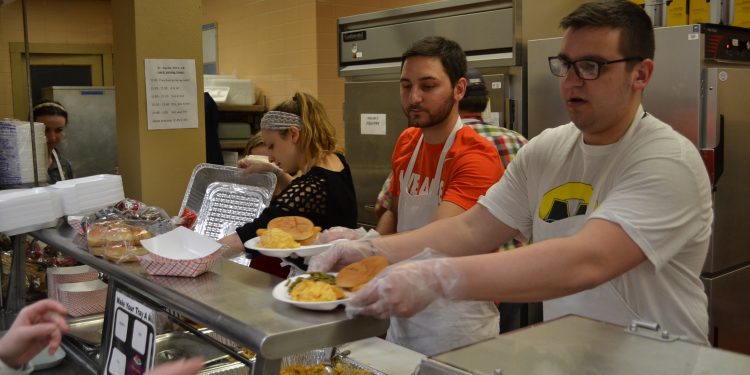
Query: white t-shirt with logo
x=652, y=183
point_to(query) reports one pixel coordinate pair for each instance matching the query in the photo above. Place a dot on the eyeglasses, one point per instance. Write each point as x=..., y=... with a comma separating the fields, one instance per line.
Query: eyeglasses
x=585, y=68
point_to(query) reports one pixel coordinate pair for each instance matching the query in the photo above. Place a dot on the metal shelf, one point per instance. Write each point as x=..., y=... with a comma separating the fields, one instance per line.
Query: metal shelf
x=242, y=108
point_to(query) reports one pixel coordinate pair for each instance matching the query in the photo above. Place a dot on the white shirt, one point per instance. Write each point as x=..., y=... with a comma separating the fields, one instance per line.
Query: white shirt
x=652, y=183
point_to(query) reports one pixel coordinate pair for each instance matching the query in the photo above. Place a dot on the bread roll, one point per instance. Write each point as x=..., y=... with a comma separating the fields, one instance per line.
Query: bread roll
x=301, y=228
x=121, y=254
x=359, y=273
x=116, y=240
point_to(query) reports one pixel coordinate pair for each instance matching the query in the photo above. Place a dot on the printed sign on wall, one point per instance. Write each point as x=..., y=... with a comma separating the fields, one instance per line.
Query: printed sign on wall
x=171, y=94
x=372, y=123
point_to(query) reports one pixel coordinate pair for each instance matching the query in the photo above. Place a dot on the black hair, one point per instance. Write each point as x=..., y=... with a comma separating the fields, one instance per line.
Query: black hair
x=449, y=52
x=50, y=108
x=637, y=32
x=473, y=104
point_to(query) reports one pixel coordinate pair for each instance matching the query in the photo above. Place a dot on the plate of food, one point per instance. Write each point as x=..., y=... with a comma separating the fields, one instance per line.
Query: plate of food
x=326, y=291
x=300, y=250
x=312, y=291
x=286, y=236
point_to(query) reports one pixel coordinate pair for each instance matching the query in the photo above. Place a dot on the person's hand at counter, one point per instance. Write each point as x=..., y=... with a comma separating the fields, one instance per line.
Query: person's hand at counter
x=190, y=366
x=405, y=288
x=342, y=254
x=36, y=326
x=253, y=164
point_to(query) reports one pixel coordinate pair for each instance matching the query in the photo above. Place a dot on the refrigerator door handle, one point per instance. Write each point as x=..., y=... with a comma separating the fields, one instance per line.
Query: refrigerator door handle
x=719, y=156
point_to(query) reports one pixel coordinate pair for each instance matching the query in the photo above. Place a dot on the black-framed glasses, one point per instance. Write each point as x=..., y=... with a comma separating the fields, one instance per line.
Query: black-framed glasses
x=585, y=68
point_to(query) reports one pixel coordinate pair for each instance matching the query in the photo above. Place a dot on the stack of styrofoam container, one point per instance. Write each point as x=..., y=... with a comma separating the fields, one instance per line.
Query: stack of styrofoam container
x=28, y=210
x=241, y=91
x=88, y=194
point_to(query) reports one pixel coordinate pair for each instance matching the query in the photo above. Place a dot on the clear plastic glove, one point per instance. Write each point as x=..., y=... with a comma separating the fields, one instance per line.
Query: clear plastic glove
x=342, y=254
x=405, y=288
x=249, y=164
x=340, y=233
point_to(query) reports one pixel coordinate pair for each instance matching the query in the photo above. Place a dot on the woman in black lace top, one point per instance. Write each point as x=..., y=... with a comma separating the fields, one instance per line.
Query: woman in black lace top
x=300, y=139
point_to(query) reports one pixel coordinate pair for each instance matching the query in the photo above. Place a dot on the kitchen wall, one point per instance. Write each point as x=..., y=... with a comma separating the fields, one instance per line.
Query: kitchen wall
x=50, y=21
x=288, y=45
x=282, y=45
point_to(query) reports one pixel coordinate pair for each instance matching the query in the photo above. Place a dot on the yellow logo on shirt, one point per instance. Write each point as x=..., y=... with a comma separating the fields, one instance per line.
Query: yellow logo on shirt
x=567, y=200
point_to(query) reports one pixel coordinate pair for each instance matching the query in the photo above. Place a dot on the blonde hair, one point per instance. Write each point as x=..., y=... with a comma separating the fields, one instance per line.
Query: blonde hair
x=317, y=136
x=254, y=141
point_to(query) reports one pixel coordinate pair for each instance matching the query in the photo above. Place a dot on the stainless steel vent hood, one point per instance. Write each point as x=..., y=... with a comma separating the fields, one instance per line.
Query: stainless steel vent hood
x=372, y=43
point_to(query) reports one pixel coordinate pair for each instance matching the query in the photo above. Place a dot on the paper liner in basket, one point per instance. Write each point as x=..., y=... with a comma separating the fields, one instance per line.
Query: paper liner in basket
x=180, y=252
x=156, y=265
x=84, y=298
x=57, y=276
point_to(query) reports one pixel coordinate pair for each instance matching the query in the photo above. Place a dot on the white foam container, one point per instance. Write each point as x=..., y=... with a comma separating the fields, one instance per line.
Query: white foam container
x=88, y=194
x=241, y=91
x=28, y=210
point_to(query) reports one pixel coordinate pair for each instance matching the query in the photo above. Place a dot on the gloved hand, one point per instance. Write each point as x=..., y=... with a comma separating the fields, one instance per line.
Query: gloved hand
x=342, y=254
x=405, y=288
x=339, y=233
x=249, y=165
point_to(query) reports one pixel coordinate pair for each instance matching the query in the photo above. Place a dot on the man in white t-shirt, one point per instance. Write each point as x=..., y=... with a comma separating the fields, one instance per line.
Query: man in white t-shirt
x=617, y=203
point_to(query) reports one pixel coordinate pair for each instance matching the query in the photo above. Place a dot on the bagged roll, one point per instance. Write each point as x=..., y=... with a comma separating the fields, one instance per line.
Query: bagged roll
x=16, y=160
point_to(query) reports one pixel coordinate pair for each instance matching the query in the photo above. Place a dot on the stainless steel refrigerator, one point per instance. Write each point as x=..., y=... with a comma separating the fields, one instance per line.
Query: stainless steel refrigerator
x=700, y=87
x=90, y=142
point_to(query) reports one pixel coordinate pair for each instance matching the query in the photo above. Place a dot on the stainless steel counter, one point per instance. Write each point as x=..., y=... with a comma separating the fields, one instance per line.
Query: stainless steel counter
x=234, y=301
x=577, y=345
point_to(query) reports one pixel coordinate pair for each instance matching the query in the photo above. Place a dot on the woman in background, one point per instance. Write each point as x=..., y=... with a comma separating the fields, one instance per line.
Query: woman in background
x=300, y=140
x=255, y=146
x=55, y=118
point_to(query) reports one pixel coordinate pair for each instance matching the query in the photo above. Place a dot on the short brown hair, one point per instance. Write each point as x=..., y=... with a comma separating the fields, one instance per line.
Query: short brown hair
x=449, y=52
x=637, y=32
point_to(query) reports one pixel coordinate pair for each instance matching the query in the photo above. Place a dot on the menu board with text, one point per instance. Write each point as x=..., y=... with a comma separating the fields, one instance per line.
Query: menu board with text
x=171, y=94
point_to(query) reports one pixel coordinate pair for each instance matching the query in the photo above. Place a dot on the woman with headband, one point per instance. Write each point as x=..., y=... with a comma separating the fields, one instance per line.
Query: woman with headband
x=55, y=118
x=300, y=140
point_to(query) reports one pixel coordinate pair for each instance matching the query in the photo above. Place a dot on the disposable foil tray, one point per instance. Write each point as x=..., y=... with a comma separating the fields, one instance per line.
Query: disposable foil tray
x=317, y=356
x=227, y=206
x=205, y=174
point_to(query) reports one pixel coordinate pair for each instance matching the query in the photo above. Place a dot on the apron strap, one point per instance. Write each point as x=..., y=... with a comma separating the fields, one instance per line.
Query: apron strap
x=59, y=166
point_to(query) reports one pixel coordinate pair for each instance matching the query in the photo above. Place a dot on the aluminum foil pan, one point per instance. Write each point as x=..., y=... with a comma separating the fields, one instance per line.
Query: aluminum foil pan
x=315, y=357
x=227, y=205
x=205, y=174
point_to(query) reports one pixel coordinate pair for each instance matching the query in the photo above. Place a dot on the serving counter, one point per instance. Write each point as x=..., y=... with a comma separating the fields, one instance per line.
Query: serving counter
x=232, y=300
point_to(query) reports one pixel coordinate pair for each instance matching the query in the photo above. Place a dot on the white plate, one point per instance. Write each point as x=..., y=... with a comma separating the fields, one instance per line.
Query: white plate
x=303, y=251
x=281, y=293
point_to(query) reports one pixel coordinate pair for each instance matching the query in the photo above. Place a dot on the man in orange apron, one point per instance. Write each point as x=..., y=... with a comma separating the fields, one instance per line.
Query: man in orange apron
x=442, y=168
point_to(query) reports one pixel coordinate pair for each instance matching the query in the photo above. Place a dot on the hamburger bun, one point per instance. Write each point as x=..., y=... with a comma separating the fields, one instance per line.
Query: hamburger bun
x=119, y=253
x=300, y=228
x=117, y=232
x=357, y=274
